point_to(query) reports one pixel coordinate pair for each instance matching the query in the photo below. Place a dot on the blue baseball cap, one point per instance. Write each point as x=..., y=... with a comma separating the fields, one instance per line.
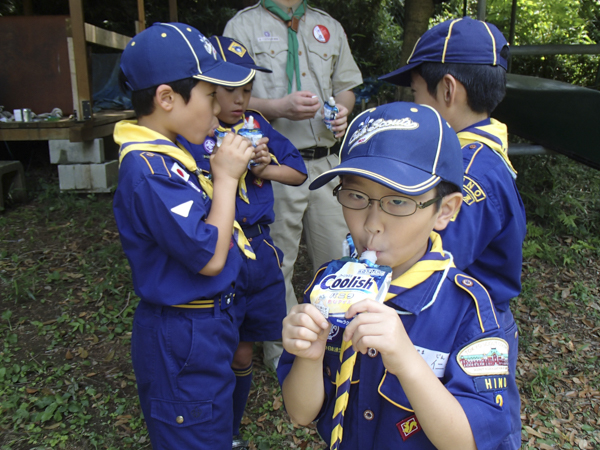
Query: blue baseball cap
x=167, y=52
x=458, y=41
x=234, y=52
x=406, y=147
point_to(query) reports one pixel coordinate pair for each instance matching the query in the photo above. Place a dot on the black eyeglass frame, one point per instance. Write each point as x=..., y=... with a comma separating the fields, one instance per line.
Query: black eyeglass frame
x=418, y=205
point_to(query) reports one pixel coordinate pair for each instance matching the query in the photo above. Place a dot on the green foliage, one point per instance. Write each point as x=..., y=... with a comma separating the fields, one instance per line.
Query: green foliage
x=538, y=22
x=374, y=29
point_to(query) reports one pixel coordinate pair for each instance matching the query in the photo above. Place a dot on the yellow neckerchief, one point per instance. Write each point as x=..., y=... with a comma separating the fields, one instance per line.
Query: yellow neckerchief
x=494, y=135
x=433, y=261
x=242, y=187
x=131, y=136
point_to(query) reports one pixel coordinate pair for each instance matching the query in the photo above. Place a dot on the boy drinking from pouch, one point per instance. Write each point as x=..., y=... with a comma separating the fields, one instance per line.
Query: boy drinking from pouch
x=432, y=360
x=459, y=68
x=260, y=291
x=178, y=232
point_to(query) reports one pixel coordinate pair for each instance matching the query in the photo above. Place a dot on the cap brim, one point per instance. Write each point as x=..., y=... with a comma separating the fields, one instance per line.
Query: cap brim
x=260, y=69
x=401, y=76
x=227, y=74
x=383, y=171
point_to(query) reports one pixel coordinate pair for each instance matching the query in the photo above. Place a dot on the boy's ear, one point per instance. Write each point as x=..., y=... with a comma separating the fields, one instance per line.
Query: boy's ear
x=448, y=209
x=164, y=97
x=448, y=88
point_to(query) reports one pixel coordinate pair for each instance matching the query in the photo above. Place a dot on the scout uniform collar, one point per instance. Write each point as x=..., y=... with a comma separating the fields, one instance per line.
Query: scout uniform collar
x=130, y=136
x=491, y=133
x=293, y=63
x=435, y=260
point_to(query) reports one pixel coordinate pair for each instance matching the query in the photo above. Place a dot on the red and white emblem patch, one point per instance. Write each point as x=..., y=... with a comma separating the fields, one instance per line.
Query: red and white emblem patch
x=408, y=427
x=321, y=33
x=179, y=171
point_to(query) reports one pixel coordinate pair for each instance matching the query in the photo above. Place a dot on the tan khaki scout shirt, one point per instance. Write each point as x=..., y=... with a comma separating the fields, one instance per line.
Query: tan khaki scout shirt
x=326, y=68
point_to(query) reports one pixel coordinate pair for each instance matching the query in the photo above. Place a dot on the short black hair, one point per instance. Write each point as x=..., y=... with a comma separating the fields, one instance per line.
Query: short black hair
x=445, y=188
x=485, y=84
x=143, y=100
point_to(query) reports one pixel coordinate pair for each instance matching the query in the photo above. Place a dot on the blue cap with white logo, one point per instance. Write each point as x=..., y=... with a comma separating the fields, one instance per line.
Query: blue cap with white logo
x=407, y=147
x=167, y=52
x=458, y=41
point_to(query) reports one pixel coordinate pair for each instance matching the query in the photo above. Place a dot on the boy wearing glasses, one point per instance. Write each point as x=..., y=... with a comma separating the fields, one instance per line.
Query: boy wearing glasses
x=432, y=366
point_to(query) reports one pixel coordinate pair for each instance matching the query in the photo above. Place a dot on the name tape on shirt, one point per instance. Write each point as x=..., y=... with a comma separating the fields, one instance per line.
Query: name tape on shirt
x=434, y=359
x=484, y=357
x=490, y=384
x=267, y=37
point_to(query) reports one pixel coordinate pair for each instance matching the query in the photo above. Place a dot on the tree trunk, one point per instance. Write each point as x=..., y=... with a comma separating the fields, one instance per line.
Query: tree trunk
x=416, y=22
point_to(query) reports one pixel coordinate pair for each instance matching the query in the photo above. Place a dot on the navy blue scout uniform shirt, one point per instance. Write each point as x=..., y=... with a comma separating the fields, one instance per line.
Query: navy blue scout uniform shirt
x=160, y=211
x=259, y=191
x=487, y=236
x=458, y=335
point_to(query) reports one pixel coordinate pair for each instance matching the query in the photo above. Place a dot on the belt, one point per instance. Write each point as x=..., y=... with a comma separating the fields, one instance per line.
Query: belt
x=227, y=299
x=316, y=152
x=254, y=230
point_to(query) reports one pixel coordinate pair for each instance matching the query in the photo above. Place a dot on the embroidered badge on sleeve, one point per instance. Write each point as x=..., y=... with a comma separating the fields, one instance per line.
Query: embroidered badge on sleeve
x=484, y=357
x=472, y=192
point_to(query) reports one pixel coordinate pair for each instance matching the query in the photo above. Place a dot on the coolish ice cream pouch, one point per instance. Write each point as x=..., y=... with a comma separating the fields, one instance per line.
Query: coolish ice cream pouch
x=348, y=281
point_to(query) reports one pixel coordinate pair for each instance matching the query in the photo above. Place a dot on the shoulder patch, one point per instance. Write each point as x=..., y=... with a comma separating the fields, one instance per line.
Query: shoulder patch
x=491, y=383
x=472, y=191
x=484, y=357
x=156, y=163
x=474, y=148
x=483, y=303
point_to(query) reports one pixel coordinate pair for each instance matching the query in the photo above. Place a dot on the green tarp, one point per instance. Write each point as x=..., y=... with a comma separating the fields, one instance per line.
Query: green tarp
x=559, y=116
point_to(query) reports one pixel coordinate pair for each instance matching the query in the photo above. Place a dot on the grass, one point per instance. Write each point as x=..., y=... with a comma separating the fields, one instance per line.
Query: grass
x=66, y=309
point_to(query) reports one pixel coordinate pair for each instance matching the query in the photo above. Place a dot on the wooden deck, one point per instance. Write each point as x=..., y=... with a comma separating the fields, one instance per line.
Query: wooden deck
x=101, y=124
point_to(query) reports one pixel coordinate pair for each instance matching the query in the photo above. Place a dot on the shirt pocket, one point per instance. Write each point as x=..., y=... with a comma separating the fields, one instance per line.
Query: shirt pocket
x=273, y=56
x=391, y=390
x=322, y=60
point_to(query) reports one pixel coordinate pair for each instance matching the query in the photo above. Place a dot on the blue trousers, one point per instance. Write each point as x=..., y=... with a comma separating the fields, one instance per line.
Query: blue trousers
x=182, y=362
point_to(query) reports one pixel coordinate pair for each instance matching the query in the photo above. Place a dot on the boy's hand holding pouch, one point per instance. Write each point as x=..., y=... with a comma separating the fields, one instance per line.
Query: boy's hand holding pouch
x=348, y=281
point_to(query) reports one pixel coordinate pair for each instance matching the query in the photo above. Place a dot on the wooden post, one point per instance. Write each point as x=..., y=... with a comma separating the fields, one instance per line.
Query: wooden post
x=140, y=24
x=84, y=90
x=173, y=11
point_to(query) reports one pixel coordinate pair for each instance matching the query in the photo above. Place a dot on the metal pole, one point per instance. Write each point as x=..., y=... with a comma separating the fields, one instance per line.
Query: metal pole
x=511, y=33
x=513, y=21
x=481, y=9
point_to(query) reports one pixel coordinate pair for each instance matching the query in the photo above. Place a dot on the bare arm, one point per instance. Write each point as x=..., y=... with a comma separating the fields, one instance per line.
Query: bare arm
x=305, y=332
x=440, y=414
x=273, y=172
x=295, y=106
x=227, y=166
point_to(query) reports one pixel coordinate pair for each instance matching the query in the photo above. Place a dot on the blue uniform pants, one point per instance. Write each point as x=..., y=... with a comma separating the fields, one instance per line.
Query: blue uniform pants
x=182, y=362
x=260, y=292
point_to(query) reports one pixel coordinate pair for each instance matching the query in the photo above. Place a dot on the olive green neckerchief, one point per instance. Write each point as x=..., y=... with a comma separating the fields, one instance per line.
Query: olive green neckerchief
x=293, y=64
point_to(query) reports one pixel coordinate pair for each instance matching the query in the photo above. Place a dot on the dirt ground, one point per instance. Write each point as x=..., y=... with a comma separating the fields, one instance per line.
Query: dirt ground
x=73, y=253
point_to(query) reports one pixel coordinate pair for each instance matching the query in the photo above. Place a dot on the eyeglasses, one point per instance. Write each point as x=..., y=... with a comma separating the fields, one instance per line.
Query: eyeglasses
x=394, y=205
